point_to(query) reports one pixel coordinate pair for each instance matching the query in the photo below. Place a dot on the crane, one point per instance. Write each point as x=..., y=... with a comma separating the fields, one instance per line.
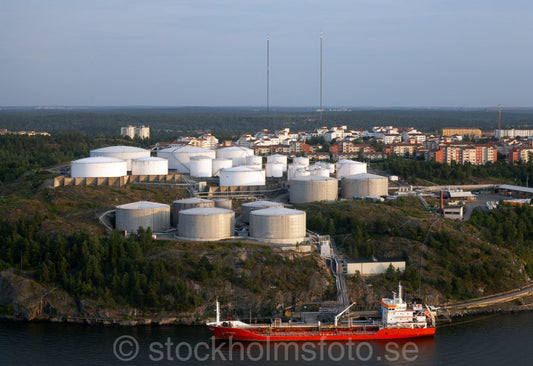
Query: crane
x=500, y=109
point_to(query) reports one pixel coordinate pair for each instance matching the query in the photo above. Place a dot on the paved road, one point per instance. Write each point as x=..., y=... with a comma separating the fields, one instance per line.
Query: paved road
x=494, y=299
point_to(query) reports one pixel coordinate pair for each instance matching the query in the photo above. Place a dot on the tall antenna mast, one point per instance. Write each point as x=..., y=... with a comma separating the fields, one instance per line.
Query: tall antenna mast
x=321, y=37
x=268, y=72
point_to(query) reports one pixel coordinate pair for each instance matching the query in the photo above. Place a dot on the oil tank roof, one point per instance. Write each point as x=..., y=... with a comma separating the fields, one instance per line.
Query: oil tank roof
x=364, y=176
x=193, y=200
x=199, y=211
x=262, y=204
x=98, y=160
x=142, y=205
x=313, y=177
x=119, y=149
x=277, y=211
x=236, y=148
x=150, y=158
x=186, y=149
x=201, y=157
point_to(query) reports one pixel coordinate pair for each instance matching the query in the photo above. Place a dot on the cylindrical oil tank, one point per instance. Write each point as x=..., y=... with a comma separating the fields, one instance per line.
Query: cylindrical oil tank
x=180, y=157
x=278, y=225
x=246, y=208
x=274, y=170
x=206, y=224
x=278, y=158
x=364, y=185
x=187, y=203
x=349, y=167
x=131, y=216
x=201, y=166
x=329, y=166
x=293, y=168
x=149, y=166
x=237, y=153
x=98, y=167
x=241, y=176
x=313, y=188
x=220, y=163
x=224, y=203
x=318, y=170
x=254, y=160
x=126, y=153
x=254, y=166
x=300, y=160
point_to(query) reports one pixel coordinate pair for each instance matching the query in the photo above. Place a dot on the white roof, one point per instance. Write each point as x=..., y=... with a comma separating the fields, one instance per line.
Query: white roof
x=142, y=205
x=198, y=211
x=201, y=157
x=98, y=160
x=193, y=200
x=313, y=177
x=262, y=204
x=120, y=148
x=150, y=158
x=277, y=211
x=364, y=176
x=236, y=148
x=186, y=149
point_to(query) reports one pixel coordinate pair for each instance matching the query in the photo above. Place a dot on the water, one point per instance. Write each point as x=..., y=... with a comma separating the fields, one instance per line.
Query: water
x=491, y=340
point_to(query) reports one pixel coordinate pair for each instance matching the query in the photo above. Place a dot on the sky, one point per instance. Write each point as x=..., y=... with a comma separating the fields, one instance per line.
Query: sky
x=376, y=53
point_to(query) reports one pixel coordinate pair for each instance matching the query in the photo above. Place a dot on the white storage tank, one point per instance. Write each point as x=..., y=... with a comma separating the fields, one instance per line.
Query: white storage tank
x=246, y=208
x=206, y=224
x=201, y=166
x=131, y=216
x=300, y=160
x=126, y=153
x=318, y=170
x=279, y=159
x=187, y=203
x=349, y=167
x=254, y=166
x=274, y=170
x=179, y=157
x=241, y=176
x=226, y=203
x=98, y=167
x=364, y=185
x=254, y=160
x=313, y=188
x=278, y=225
x=149, y=166
x=236, y=153
x=325, y=165
x=293, y=168
x=219, y=164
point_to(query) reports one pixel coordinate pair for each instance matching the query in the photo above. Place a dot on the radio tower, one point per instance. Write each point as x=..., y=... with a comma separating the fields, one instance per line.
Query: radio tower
x=320, y=109
x=268, y=72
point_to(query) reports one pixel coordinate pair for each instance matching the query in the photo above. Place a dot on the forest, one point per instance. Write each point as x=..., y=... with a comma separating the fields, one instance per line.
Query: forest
x=502, y=171
x=167, y=123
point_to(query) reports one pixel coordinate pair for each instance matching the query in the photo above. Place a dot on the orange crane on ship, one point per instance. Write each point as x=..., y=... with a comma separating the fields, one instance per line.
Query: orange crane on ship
x=500, y=109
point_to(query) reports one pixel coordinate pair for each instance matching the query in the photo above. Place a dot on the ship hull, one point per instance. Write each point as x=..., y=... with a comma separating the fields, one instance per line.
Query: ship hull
x=251, y=334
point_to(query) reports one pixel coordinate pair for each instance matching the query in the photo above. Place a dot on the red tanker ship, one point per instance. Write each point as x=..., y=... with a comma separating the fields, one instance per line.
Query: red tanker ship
x=399, y=320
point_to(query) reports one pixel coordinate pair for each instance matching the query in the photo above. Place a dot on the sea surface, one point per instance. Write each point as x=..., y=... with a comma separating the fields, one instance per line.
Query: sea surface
x=491, y=340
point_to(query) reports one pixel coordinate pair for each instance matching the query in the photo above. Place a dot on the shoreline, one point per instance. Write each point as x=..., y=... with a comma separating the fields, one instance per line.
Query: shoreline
x=446, y=316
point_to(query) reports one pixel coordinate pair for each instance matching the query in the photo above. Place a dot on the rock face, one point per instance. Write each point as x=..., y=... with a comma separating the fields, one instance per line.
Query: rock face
x=20, y=296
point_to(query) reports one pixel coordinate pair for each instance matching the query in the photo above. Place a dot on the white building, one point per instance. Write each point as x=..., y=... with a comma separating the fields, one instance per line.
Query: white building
x=142, y=131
